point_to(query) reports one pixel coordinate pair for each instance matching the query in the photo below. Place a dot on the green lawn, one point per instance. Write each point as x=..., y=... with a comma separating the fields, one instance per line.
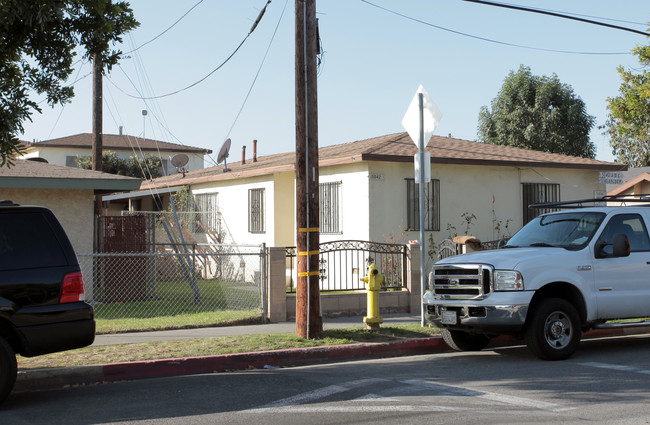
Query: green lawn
x=172, y=305
x=95, y=355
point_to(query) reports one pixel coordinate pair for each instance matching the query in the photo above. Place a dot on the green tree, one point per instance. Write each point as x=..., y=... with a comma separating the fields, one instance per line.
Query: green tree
x=148, y=168
x=38, y=42
x=628, y=119
x=539, y=113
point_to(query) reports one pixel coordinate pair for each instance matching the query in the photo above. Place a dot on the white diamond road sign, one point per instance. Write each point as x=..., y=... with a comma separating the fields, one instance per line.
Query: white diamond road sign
x=431, y=117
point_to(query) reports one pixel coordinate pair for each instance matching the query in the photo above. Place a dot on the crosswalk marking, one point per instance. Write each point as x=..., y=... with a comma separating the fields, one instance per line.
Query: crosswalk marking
x=373, y=402
x=502, y=398
x=620, y=368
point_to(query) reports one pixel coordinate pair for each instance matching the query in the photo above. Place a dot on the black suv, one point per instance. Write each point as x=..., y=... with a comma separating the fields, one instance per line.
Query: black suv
x=42, y=308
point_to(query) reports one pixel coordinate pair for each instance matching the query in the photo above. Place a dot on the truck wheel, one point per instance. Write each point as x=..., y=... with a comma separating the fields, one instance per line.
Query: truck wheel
x=554, y=329
x=464, y=341
x=7, y=369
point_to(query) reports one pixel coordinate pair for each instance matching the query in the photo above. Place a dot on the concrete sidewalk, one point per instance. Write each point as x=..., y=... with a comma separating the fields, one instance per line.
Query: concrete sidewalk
x=267, y=328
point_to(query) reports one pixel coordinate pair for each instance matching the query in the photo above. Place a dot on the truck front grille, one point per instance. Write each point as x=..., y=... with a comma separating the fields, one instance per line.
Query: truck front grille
x=461, y=281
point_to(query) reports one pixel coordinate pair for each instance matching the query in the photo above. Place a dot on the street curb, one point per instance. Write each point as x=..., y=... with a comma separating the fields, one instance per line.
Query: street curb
x=55, y=378
x=44, y=379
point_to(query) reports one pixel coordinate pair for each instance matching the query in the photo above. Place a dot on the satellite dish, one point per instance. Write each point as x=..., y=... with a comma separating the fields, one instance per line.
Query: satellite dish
x=180, y=160
x=38, y=159
x=223, y=154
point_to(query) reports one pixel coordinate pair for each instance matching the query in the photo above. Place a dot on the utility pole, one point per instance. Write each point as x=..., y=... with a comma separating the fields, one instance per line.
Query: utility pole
x=309, y=323
x=97, y=148
x=97, y=112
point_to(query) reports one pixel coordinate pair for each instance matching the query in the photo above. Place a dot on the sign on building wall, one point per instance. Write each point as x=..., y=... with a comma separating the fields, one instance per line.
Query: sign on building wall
x=610, y=177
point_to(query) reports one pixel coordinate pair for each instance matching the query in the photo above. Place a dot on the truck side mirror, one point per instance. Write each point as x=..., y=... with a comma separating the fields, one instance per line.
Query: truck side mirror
x=502, y=242
x=621, y=245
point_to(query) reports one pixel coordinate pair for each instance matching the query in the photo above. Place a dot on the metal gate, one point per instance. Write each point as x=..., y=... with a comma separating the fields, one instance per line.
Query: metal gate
x=127, y=280
x=343, y=263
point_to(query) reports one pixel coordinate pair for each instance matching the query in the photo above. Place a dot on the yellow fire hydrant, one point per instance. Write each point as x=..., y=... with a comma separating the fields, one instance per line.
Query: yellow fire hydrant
x=373, y=280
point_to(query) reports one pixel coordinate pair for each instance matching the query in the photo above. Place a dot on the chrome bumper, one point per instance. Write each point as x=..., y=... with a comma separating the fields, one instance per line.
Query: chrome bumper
x=487, y=315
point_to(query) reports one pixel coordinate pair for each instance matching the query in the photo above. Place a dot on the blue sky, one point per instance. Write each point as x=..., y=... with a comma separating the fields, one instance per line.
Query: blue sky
x=372, y=65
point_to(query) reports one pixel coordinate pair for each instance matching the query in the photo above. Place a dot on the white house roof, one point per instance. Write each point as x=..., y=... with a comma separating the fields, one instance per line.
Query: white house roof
x=114, y=142
x=397, y=147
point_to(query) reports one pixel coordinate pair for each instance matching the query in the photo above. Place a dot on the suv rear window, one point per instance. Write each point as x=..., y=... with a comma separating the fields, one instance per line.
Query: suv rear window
x=18, y=231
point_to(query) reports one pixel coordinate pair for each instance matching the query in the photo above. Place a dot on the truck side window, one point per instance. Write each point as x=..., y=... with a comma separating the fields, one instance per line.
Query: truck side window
x=632, y=226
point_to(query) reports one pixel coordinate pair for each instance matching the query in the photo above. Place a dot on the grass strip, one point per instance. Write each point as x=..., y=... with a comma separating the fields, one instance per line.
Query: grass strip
x=97, y=355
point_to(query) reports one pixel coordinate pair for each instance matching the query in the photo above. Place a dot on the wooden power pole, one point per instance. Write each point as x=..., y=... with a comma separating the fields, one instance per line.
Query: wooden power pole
x=97, y=148
x=97, y=113
x=309, y=323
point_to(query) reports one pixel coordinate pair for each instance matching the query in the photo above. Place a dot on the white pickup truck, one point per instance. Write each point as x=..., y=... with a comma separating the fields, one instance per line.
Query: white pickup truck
x=563, y=273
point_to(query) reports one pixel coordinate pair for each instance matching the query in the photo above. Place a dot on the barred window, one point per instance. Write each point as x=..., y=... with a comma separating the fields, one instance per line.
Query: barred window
x=330, y=208
x=538, y=192
x=431, y=205
x=256, y=211
x=71, y=161
x=206, y=207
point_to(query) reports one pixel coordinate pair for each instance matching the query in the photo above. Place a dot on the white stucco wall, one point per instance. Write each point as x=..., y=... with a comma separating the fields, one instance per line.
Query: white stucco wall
x=233, y=205
x=373, y=200
x=354, y=200
x=492, y=194
x=73, y=208
x=284, y=202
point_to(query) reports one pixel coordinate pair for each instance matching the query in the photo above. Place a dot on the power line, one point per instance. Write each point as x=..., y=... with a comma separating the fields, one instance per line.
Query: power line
x=170, y=27
x=598, y=17
x=488, y=39
x=259, y=17
x=258, y=70
x=558, y=15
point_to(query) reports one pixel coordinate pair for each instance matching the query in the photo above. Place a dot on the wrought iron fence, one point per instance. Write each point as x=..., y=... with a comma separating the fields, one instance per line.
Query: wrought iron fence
x=448, y=248
x=196, y=278
x=343, y=263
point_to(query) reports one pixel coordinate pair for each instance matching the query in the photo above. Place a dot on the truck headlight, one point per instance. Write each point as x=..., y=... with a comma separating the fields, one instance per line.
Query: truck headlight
x=508, y=280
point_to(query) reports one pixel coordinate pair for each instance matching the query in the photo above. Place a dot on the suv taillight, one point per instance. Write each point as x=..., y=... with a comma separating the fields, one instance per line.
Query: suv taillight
x=73, y=288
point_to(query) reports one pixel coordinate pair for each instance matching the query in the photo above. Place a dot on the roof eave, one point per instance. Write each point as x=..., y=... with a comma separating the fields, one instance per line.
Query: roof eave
x=105, y=185
x=499, y=163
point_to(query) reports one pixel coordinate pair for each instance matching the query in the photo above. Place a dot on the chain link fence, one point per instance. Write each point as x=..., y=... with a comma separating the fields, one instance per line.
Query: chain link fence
x=177, y=285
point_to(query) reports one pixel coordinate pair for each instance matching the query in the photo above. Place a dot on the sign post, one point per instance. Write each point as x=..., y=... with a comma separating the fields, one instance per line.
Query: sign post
x=420, y=120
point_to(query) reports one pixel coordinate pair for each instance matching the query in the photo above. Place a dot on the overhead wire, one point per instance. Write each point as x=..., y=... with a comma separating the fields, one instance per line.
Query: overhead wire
x=555, y=14
x=168, y=28
x=504, y=43
x=258, y=70
x=154, y=114
x=595, y=17
x=257, y=21
x=63, y=105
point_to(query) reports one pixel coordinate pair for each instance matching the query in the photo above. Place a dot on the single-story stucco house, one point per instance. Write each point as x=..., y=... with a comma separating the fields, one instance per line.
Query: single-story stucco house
x=367, y=190
x=68, y=192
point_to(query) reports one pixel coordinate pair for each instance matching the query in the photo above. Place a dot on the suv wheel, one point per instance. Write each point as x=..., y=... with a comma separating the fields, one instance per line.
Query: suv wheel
x=464, y=341
x=554, y=329
x=7, y=369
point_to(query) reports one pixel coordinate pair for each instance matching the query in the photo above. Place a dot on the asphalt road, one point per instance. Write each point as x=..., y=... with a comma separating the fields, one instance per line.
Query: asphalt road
x=607, y=381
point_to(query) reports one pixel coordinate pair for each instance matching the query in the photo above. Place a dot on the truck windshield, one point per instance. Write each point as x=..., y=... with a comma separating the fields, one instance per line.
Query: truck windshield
x=571, y=230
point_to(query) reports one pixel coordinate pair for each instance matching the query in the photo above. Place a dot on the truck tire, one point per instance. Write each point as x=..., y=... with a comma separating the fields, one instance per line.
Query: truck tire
x=464, y=341
x=7, y=369
x=553, y=331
